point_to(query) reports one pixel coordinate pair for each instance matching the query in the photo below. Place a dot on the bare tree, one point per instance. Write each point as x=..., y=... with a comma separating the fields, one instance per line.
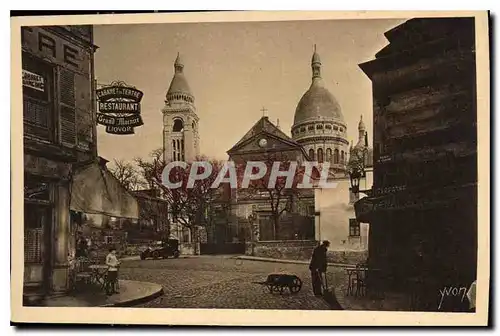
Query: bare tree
x=192, y=207
x=282, y=195
x=126, y=174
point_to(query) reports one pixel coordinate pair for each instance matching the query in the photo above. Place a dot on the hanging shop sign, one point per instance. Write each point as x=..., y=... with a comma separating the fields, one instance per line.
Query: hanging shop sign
x=119, y=108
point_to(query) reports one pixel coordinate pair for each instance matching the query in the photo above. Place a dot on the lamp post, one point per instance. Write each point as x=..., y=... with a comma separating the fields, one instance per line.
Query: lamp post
x=356, y=170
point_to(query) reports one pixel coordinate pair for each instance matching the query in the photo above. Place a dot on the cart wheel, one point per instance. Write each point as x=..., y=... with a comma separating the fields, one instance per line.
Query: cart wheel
x=281, y=289
x=176, y=254
x=156, y=255
x=296, y=286
x=268, y=288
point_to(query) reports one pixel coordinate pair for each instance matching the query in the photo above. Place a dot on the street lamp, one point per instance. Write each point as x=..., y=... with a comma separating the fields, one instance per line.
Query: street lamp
x=355, y=177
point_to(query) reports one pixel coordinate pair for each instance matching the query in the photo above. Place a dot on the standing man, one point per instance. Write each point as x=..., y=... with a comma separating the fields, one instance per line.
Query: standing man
x=112, y=277
x=317, y=266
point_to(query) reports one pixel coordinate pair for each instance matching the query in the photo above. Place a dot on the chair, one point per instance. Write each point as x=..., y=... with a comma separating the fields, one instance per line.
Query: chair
x=82, y=271
x=359, y=280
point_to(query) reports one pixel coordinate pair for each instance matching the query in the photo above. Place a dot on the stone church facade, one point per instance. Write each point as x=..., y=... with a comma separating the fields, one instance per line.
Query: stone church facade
x=318, y=133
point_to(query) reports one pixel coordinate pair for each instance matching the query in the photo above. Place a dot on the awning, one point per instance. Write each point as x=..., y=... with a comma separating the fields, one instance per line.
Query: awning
x=94, y=190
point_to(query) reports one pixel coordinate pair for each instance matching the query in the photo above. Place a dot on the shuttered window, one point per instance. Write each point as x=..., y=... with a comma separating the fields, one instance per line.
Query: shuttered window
x=67, y=115
x=36, y=220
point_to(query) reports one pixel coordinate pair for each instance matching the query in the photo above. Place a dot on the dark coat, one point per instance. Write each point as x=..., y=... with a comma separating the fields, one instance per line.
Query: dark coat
x=318, y=259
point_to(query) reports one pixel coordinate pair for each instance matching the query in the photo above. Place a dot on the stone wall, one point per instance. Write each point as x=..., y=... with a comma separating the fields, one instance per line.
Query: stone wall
x=301, y=250
x=189, y=248
x=349, y=257
x=282, y=249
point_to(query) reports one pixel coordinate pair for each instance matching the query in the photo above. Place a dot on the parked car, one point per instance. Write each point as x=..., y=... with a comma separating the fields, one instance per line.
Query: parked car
x=162, y=250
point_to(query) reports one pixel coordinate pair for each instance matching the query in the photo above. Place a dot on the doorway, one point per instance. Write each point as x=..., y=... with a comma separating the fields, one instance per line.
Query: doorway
x=38, y=243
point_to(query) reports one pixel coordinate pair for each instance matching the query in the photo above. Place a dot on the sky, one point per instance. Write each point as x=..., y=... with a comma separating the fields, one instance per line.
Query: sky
x=235, y=69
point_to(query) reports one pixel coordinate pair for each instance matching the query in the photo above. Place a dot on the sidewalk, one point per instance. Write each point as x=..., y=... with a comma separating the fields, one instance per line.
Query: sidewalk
x=285, y=261
x=131, y=293
x=387, y=302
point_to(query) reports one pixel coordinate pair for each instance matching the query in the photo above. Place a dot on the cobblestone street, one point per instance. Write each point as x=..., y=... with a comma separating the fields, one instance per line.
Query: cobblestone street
x=222, y=282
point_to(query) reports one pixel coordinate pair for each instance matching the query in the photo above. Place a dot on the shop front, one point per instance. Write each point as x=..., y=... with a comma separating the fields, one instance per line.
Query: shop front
x=55, y=193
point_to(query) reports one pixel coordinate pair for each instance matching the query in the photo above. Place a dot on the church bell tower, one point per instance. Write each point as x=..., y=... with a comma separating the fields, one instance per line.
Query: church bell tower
x=180, y=121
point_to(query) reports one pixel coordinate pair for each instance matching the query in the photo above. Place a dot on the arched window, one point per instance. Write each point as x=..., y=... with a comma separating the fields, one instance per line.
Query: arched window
x=311, y=154
x=178, y=125
x=328, y=155
x=336, y=156
x=342, y=158
x=320, y=155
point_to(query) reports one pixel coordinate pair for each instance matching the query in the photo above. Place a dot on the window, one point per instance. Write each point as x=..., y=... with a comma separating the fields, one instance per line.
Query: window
x=354, y=228
x=328, y=155
x=36, y=219
x=302, y=129
x=328, y=127
x=108, y=239
x=38, y=100
x=178, y=125
x=319, y=126
x=311, y=154
x=320, y=155
x=310, y=128
x=335, y=128
x=310, y=210
x=336, y=156
x=342, y=158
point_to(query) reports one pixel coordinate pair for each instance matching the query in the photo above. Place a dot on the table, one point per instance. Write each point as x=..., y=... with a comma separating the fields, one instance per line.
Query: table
x=99, y=273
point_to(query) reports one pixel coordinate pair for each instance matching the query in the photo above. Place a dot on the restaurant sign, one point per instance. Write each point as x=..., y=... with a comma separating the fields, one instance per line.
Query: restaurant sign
x=119, y=108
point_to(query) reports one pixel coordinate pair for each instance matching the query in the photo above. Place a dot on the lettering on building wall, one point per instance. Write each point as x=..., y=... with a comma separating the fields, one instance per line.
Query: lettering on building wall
x=33, y=81
x=42, y=43
x=119, y=108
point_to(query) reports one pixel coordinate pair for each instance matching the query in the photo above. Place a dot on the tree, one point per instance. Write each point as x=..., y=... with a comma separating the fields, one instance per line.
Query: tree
x=282, y=194
x=192, y=206
x=126, y=174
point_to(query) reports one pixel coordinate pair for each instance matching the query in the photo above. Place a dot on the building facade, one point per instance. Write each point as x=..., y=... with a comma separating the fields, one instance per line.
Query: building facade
x=251, y=212
x=180, y=121
x=63, y=176
x=320, y=128
x=423, y=209
x=319, y=124
x=59, y=131
x=336, y=219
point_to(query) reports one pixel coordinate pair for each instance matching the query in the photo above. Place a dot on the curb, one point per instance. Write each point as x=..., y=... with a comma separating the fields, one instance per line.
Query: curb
x=287, y=261
x=132, y=302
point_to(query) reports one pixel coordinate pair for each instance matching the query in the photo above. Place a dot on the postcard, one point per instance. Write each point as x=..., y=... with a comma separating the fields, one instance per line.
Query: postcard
x=251, y=169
